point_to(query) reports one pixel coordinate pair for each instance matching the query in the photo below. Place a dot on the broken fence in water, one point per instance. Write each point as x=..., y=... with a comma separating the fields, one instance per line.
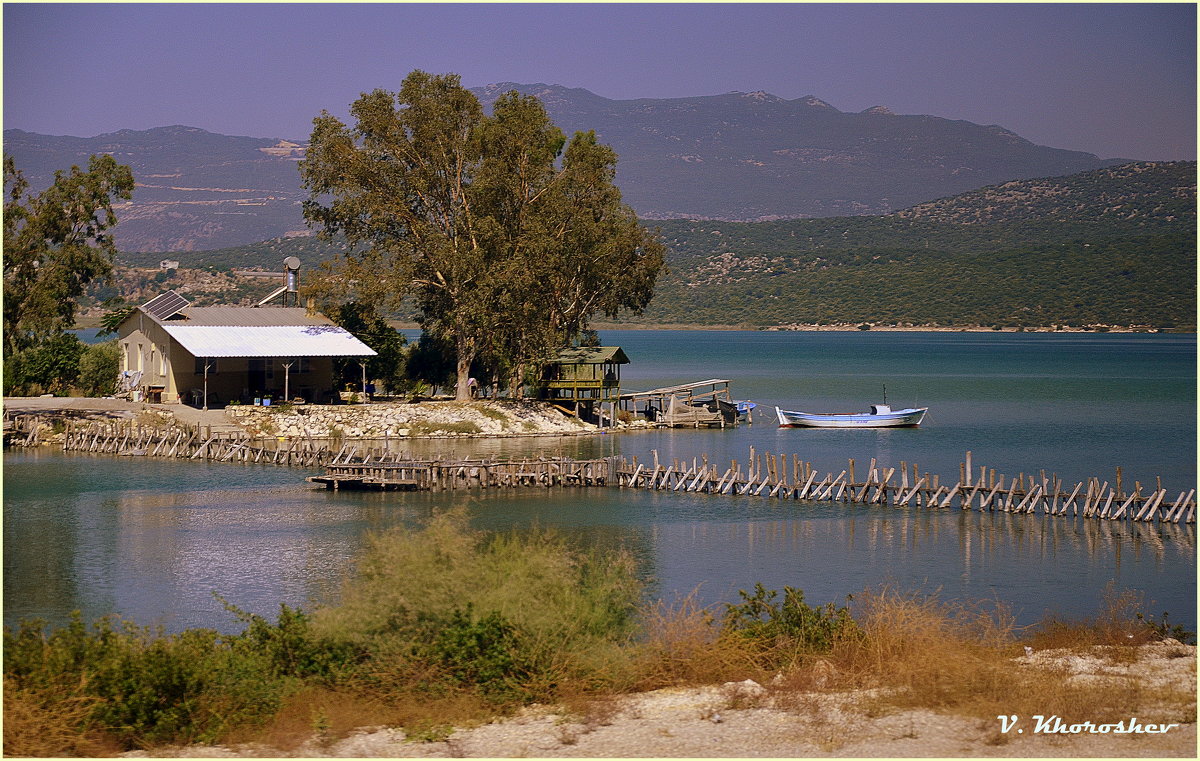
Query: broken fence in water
x=763, y=475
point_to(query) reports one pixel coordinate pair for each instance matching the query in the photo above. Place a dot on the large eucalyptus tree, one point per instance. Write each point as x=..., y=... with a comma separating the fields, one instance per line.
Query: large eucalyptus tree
x=508, y=237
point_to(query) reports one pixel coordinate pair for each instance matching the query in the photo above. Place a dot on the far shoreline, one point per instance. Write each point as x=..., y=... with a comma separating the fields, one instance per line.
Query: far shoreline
x=87, y=322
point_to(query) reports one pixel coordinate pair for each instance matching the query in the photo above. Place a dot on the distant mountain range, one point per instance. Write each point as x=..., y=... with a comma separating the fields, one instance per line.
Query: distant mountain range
x=737, y=157
x=755, y=157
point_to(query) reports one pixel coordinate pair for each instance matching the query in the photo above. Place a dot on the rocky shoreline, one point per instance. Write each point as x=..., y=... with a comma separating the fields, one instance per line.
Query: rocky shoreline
x=429, y=419
x=485, y=418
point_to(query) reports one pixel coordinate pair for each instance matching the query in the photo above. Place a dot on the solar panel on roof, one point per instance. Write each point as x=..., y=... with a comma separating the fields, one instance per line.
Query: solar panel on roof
x=164, y=305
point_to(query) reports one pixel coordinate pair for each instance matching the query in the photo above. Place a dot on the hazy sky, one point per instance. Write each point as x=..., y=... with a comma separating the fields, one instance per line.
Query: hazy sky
x=1117, y=80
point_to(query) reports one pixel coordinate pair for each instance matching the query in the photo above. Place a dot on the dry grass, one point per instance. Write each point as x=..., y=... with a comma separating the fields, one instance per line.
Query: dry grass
x=327, y=715
x=46, y=724
x=924, y=653
x=914, y=651
x=1116, y=627
x=683, y=647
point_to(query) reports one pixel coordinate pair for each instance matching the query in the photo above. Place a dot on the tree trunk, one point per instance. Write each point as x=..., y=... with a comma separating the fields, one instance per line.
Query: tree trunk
x=466, y=354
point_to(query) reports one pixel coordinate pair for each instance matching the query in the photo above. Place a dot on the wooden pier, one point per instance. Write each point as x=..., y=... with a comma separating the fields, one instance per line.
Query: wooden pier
x=463, y=474
x=764, y=475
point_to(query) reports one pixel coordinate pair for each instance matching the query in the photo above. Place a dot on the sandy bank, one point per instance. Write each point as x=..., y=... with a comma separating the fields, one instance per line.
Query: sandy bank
x=746, y=720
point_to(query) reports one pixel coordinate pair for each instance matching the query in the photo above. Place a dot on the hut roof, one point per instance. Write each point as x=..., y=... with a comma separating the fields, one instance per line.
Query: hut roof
x=592, y=355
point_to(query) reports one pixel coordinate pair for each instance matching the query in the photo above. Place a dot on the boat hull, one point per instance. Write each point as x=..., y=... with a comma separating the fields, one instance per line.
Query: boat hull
x=909, y=418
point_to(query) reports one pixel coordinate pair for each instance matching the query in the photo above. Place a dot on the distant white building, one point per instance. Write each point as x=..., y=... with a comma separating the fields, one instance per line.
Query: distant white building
x=168, y=264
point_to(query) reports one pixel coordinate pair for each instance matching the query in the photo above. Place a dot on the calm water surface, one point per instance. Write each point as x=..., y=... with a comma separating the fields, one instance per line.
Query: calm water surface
x=153, y=540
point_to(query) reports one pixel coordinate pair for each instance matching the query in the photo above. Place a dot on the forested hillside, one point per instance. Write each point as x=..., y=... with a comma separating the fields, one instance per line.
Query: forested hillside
x=1113, y=246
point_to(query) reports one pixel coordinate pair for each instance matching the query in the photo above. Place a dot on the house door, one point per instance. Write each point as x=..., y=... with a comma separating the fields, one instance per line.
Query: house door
x=256, y=377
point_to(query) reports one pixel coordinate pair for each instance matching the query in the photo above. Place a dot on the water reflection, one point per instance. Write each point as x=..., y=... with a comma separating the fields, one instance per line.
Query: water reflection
x=153, y=542
x=1038, y=563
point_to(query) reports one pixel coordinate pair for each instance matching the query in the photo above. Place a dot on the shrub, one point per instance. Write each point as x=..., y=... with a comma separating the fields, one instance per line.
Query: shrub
x=140, y=687
x=98, y=369
x=785, y=630
x=423, y=428
x=532, y=610
x=52, y=366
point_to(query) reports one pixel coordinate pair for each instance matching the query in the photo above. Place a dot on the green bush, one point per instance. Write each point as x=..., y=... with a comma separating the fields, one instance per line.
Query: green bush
x=531, y=609
x=50, y=367
x=149, y=688
x=789, y=628
x=98, y=369
x=482, y=653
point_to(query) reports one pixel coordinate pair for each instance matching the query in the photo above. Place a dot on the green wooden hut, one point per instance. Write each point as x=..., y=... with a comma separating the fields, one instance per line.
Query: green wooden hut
x=584, y=378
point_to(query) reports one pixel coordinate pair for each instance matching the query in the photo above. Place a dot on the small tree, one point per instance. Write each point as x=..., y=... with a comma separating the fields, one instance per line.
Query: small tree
x=98, y=369
x=389, y=360
x=52, y=366
x=55, y=244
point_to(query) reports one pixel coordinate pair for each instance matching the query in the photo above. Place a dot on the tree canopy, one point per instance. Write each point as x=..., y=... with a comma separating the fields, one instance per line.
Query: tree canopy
x=55, y=244
x=508, y=237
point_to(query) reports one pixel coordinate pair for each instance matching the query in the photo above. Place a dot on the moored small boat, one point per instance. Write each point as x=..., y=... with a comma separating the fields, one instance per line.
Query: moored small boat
x=880, y=416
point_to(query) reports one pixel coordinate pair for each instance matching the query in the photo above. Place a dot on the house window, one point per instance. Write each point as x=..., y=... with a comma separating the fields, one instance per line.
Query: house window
x=162, y=361
x=128, y=357
x=140, y=350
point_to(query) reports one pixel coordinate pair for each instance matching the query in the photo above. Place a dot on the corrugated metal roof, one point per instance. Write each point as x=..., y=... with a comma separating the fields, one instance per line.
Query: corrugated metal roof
x=247, y=316
x=320, y=340
x=593, y=355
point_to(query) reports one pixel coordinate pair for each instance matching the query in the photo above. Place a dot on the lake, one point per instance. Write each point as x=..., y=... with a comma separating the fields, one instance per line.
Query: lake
x=153, y=540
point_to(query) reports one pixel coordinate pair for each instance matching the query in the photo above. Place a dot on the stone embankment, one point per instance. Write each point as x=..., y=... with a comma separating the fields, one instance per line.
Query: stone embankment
x=488, y=418
x=377, y=420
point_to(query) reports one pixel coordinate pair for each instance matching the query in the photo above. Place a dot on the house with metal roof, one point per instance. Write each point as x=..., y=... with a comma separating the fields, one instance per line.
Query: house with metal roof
x=172, y=351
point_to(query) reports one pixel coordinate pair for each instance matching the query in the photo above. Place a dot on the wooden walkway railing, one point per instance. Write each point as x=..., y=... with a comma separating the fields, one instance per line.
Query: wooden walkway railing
x=769, y=475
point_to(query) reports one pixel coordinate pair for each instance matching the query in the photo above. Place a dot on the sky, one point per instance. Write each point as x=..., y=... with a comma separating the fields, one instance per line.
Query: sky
x=1116, y=80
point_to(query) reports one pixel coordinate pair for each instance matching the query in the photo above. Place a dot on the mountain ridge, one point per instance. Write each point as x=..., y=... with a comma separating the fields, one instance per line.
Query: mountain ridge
x=741, y=156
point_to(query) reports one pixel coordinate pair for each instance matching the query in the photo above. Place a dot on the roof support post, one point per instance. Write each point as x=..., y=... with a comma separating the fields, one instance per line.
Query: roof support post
x=287, y=367
x=207, y=365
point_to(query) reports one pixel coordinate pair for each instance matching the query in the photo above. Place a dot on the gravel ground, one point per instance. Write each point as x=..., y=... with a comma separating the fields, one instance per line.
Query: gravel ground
x=739, y=720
